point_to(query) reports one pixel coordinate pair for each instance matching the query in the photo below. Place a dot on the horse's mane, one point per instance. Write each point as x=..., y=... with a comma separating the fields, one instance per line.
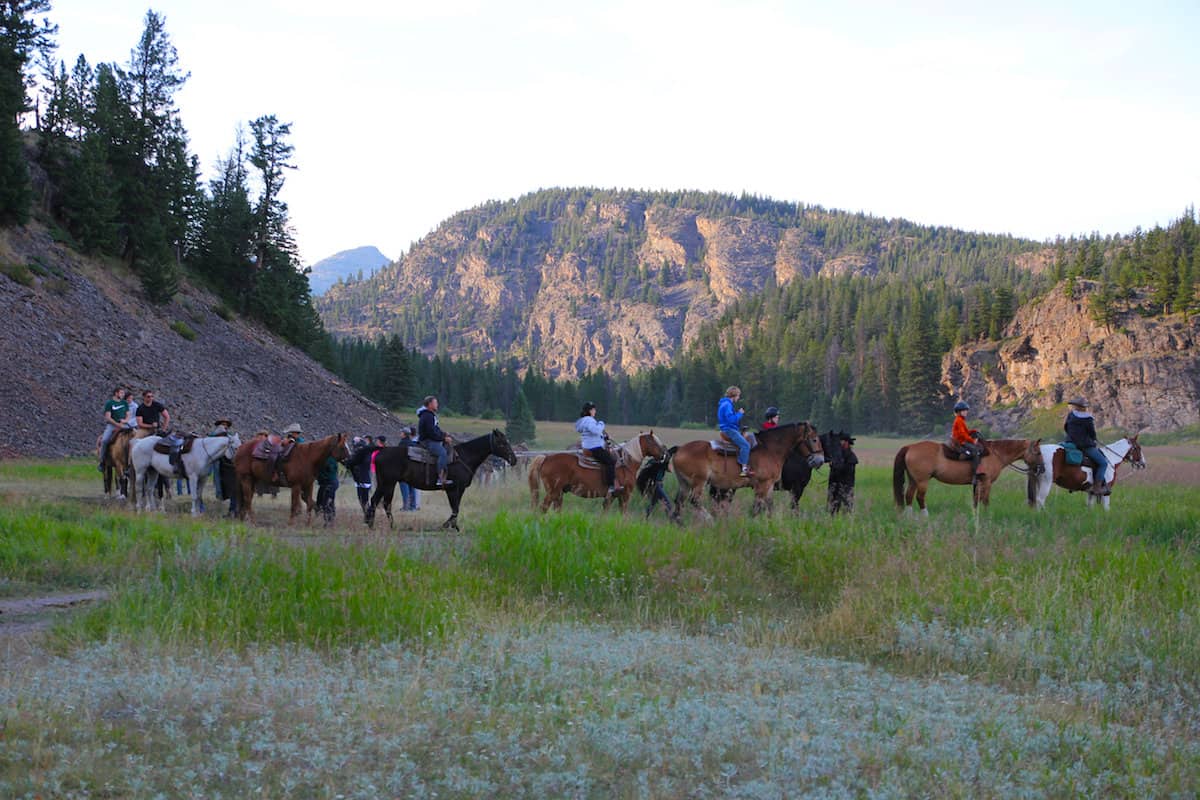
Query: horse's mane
x=770, y=432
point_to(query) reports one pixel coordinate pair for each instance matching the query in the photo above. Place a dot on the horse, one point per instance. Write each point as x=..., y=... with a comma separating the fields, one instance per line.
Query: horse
x=116, y=464
x=393, y=465
x=194, y=464
x=562, y=472
x=698, y=464
x=1077, y=479
x=298, y=471
x=921, y=461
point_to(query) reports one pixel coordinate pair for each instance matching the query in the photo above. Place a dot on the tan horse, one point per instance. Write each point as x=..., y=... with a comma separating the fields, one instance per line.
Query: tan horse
x=561, y=473
x=298, y=472
x=922, y=461
x=697, y=464
x=118, y=468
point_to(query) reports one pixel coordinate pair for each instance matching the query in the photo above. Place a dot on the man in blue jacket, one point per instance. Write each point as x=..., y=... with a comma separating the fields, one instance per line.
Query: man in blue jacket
x=432, y=437
x=729, y=421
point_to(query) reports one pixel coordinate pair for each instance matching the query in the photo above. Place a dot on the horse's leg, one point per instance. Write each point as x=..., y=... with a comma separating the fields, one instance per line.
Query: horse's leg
x=910, y=494
x=454, y=495
x=921, y=487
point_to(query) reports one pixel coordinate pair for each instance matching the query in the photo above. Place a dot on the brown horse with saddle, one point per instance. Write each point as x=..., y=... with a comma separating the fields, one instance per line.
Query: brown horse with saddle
x=697, y=464
x=296, y=467
x=577, y=472
x=922, y=461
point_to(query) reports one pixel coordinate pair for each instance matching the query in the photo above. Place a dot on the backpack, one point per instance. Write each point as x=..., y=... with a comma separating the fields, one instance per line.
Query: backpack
x=1072, y=455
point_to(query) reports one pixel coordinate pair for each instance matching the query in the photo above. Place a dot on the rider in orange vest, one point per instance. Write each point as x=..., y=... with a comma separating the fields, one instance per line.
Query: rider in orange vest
x=966, y=438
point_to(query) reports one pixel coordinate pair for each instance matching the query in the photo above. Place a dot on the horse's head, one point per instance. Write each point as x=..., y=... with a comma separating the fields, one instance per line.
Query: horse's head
x=651, y=445
x=1134, y=456
x=341, y=448
x=809, y=444
x=232, y=443
x=1033, y=457
x=500, y=447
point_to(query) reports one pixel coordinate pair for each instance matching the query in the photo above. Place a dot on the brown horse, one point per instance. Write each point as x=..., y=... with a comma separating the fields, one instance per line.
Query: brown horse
x=298, y=471
x=561, y=473
x=118, y=468
x=697, y=464
x=921, y=461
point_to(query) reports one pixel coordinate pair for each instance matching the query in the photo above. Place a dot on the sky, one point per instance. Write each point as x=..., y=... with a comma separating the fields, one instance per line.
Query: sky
x=1036, y=119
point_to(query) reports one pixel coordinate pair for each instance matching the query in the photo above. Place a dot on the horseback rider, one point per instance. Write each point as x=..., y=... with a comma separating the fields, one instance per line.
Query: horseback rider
x=154, y=419
x=116, y=411
x=966, y=438
x=432, y=437
x=593, y=439
x=729, y=422
x=770, y=418
x=1080, y=428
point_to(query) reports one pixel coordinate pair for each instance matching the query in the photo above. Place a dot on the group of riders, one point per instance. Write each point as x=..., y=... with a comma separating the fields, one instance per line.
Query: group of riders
x=151, y=418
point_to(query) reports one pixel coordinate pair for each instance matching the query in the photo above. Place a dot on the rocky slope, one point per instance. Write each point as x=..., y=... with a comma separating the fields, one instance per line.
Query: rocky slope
x=71, y=329
x=1140, y=374
x=571, y=281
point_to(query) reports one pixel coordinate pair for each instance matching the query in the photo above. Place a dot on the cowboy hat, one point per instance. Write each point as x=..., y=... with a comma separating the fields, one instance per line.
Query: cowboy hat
x=224, y=421
x=1078, y=402
x=293, y=428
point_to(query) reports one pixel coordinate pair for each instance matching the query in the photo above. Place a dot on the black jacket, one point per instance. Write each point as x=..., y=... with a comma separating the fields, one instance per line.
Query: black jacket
x=1080, y=430
x=360, y=463
x=427, y=427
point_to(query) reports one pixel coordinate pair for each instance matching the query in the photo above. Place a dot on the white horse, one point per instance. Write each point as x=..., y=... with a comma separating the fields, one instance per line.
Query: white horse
x=1075, y=479
x=195, y=463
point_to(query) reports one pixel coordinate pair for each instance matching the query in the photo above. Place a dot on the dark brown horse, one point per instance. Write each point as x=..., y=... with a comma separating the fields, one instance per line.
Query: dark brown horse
x=393, y=465
x=922, y=461
x=561, y=473
x=298, y=471
x=697, y=464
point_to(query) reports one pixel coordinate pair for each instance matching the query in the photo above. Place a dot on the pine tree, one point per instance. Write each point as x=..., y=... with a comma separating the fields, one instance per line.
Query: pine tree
x=399, y=386
x=20, y=37
x=521, y=426
x=920, y=371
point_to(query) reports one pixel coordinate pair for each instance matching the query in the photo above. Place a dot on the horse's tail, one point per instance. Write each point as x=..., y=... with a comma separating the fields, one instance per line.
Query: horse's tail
x=899, y=470
x=535, y=481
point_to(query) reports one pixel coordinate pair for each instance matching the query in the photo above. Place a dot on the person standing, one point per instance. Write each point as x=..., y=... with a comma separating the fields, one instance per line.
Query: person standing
x=433, y=438
x=650, y=483
x=360, y=469
x=1080, y=428
x=593, y=439
x=327, y=486
x=116, y=411
x=414, y=494
x=730, y=423
x=224, y=477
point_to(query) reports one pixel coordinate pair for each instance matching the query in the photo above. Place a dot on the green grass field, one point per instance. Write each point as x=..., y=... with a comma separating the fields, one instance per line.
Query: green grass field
x=594, y=654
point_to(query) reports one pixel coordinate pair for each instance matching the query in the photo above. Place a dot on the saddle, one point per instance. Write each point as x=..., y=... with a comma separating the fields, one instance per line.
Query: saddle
x=164, y=446
x=726, y=447
x=952, y=451
x=420, y=454
x=588, y=461
x=272, y=448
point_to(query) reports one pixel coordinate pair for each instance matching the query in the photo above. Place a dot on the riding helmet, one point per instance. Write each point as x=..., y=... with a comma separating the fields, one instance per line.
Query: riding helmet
x=961, y=405
x=587, y=408
x=771, y=412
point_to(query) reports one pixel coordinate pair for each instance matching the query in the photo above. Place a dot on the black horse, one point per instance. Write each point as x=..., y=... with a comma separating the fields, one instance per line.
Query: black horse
x=797, y=474
x=393, y=465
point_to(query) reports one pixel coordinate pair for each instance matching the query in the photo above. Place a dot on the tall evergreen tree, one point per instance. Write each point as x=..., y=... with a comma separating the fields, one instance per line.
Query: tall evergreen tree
x=521, y=426
x=20, y=37
x=399, y=385
x=920, y=371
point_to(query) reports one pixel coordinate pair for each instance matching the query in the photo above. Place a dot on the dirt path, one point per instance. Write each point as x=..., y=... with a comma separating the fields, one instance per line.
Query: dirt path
x=24, y=615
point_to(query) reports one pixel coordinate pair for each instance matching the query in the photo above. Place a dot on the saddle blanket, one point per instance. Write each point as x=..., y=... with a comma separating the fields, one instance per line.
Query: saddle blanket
x=422, y=455
x=585, y=459
x=729, y=448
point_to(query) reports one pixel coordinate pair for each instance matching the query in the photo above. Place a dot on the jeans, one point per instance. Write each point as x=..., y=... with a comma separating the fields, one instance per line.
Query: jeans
x=1097, y=455
x=439, y=450
x=743, y=446
x=109, y=430
x=407, y=500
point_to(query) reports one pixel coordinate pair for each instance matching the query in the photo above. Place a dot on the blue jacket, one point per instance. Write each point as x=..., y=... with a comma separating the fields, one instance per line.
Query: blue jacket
x=727, y=417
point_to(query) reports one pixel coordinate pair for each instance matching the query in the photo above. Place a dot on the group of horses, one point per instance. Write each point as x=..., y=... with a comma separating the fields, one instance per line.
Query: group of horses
x=147, y=456
x=782, y=456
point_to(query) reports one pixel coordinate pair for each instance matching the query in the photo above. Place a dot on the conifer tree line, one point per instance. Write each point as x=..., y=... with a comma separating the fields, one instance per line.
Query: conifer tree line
x=123, y=184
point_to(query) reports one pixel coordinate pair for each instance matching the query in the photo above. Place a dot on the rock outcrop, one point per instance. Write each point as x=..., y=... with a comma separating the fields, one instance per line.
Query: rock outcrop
x=72, y=329
x=1143, y=373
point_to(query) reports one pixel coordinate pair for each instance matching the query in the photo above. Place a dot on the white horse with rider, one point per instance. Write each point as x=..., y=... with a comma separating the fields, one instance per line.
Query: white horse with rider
x=1079, y=478
x=193, y=465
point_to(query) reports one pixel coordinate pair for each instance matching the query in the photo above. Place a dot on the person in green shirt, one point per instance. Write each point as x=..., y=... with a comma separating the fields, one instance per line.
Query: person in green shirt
x=115, y=412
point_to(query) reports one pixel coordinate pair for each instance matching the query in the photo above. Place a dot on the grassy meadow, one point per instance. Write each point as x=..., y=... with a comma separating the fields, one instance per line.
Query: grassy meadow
x=588, y=654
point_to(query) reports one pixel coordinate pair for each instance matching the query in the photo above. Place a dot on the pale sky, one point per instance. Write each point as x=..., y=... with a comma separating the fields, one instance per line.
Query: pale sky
x=1030, y=118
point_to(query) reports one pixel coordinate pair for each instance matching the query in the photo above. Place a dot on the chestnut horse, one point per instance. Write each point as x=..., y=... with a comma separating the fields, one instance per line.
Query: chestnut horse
x=921, y=461
x=117, y=466
x=298, y=472
x=561, y=473
x=392, y=465
x=697, y=464
x=1077, y=479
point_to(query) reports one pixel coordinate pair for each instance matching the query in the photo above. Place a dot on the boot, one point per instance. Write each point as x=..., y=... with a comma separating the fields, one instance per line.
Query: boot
x=746, y=471
x=443, y=480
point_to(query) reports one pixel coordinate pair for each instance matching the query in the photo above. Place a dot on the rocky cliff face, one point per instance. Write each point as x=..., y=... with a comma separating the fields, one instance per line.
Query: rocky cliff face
x=622, y=285
x=71, y=330
x=1142, y=374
